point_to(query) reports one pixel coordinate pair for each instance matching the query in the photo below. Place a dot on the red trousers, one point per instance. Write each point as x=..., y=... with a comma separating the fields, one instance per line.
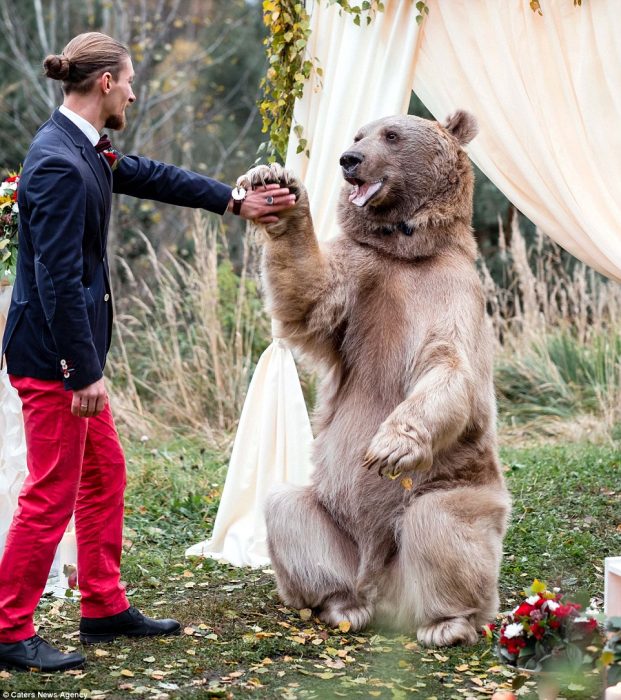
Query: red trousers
x=74, y=465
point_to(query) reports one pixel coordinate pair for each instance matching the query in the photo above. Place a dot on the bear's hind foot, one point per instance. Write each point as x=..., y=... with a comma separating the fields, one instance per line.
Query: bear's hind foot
x=337, y=611
x=445, y=633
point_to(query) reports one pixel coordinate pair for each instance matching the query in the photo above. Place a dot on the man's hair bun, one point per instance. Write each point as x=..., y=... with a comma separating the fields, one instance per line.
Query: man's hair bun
x=56, y=67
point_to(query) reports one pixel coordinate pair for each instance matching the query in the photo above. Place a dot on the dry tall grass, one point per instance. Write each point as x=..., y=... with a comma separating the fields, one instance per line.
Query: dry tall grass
x=558, y=328
x=184, y=354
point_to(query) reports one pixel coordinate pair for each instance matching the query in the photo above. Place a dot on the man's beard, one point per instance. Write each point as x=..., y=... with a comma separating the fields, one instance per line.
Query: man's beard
x=116, y=122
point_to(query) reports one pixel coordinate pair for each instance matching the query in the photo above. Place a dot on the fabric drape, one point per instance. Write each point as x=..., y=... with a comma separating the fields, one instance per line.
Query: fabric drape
x=13, y=470
x=12, y=439
x=545, y=90
x=272, y=445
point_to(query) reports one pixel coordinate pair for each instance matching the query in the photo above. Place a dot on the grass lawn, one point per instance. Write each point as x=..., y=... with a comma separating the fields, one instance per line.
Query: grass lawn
x=240, y=641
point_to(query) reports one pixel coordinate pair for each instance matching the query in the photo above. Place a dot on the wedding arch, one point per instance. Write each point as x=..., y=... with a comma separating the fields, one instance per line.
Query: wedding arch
x=542, y=79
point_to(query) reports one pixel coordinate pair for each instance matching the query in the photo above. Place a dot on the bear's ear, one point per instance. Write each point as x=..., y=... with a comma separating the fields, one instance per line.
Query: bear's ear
x=463, y=126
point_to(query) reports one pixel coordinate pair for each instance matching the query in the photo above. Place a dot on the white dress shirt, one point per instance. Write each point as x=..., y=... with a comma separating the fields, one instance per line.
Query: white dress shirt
x=84, y=126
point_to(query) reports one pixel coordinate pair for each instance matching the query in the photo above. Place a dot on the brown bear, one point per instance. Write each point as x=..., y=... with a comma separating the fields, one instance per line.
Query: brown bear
x=404, y=519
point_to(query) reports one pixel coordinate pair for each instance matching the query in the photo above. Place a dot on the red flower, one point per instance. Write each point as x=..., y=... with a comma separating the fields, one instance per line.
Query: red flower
x=524, y=610
x=554, y=623
x=514, y=644
x=488, y=630
x=111, y=157
x=13, y=178
x=566, y=610
x=538, y=630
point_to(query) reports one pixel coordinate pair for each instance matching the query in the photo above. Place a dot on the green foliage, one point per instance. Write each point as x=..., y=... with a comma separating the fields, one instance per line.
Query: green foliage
x=289, y=66
x=288, y=70
x=561, y=375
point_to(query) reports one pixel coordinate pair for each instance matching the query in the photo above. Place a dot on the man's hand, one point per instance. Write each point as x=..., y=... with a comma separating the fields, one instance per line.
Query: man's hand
x=89, y=401
x=256, y=207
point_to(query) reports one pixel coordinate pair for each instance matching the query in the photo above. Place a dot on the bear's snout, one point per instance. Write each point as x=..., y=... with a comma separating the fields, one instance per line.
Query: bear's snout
x=349, y=161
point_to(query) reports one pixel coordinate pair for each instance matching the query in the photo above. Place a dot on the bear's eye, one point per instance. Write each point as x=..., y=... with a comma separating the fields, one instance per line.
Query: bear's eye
x=357, y=138
x=391, y=136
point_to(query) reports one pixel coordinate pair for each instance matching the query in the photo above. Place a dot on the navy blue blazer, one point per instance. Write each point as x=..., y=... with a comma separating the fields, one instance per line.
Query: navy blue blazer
x=59, y=324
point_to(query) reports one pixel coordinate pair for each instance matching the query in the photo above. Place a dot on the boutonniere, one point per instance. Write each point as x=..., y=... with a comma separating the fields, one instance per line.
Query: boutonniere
x=113, y=157
x=105, y=147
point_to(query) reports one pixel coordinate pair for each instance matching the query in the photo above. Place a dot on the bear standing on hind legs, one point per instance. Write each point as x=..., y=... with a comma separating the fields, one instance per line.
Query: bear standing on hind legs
x=393, y=314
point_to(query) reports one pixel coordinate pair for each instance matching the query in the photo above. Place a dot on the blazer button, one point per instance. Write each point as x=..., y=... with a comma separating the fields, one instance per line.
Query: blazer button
x=106, y=297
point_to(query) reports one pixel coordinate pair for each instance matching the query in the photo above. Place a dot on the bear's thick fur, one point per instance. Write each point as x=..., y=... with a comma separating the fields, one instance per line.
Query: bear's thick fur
x=393, y=313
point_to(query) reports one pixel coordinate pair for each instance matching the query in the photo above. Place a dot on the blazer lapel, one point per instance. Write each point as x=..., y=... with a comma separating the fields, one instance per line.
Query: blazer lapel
x=102, y=173
x=101, y=170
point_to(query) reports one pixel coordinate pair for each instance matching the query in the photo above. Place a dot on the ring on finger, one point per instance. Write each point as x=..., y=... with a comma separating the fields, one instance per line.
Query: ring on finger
x=269, y=199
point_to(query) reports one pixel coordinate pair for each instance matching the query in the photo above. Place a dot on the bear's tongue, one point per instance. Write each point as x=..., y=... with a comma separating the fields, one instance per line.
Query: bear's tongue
x=361, y=194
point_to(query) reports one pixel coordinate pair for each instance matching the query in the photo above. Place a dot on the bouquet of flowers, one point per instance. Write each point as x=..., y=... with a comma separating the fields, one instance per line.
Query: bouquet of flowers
x=545, y=632
x=9, y=216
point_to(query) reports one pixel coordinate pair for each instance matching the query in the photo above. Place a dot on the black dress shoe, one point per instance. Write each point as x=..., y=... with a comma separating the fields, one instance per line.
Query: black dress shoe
x=130, y=623
x=36, y=653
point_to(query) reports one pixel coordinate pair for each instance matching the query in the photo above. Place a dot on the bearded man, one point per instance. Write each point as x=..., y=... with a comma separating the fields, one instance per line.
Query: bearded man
x=56, y=339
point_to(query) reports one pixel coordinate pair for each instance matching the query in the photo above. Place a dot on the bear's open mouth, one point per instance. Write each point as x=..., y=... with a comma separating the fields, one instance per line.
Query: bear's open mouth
x=363, y=191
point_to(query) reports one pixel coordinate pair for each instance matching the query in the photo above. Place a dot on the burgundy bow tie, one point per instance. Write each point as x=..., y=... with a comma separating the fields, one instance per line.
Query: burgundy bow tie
x=104, y=144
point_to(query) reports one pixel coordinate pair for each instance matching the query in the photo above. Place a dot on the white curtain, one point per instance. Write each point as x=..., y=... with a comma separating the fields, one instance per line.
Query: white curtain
x=272, y=444
x=546, y=91
x=12, y=440
x=13, y=470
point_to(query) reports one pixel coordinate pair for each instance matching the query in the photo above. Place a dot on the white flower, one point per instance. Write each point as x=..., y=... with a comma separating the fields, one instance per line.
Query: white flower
x=533, y=599
x=514, y=630
x=8, y=188
x=552, y=605
x=15, y=208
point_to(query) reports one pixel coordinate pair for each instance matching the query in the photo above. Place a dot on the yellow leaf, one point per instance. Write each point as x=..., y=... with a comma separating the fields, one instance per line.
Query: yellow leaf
x=538, y=586
x=462, y=667
x=298, y=640
x=101, y=652
x=306, y=614
x=344, y=626
x=149, y=659
x=127, y=673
